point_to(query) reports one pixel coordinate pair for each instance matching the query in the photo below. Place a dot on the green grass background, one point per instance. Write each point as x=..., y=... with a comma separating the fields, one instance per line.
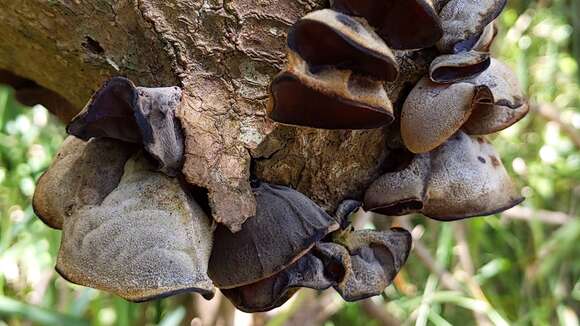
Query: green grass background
x=524, y=272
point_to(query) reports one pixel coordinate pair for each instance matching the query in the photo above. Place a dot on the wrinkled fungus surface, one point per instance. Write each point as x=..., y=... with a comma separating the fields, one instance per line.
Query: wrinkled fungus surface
x=221, y=182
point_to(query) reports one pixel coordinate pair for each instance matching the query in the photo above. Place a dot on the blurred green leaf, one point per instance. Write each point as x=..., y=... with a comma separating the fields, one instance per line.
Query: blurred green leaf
x=13, y=308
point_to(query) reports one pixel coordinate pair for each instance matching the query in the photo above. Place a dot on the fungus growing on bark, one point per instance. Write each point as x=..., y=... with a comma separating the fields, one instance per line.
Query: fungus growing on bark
x=361, y=264
x=485, y=104
x=462, y=178
x=83, y=173
x=271, y=256
x=464, y=22
x=286, y=226
x=119, y=110
x=468, y=179
x=146, y=240
x=400, y=192
x=452, y=68
x=434, y=112
x=139, y=234
x=509, y=104
x=328, y=38
x=327, y=99
x=272, y=292
x=449, y=68
x=403, y=24
x=369, y=260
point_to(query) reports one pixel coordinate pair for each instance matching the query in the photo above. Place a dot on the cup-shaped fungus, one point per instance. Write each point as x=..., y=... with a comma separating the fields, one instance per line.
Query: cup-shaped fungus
x=464, y=22
x=462, y=178
x=485, y=104
x=329, y=38
x=286, y=226
x=119, y=110
x=509, y=105
x=450, y=68
x=327, y=99
x=486, y=38
x=366, y=260
x=468, y=179
x=83, y=173
x=403, y=24
x=254, y=267
x=434, y=112
x=400, y=192
x=146, y=240
x=307, y=272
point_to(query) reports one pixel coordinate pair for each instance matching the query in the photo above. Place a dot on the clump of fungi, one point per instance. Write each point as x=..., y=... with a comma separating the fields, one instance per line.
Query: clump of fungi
x=133, y=226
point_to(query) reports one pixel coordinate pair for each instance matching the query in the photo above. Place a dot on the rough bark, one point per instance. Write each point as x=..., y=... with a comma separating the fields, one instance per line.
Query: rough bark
x=223, y=54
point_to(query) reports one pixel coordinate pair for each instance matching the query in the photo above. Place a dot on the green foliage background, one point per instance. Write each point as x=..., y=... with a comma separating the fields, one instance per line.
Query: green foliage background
x=528, y=271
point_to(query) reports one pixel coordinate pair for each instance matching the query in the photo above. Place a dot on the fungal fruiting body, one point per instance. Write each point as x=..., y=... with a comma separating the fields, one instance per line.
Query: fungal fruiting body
x=333, y=78
x=133, y=226
x=122, y=111
x=403, y=24
x=83, y=173
x=145, y=240
x=328, y=99
x=487, y=103
x=462, y=178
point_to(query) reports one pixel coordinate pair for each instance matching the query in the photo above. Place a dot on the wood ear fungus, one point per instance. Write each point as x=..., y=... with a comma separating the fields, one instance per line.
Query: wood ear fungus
x=400, y=192
x=468, y=179
x=368, y=261
x=145, y=240
x=464, y=22
x=328, y=99
x=465, y=179
x=272, y=292
x=286, y=226
x=485, y=104
x=119, y=110
x=434, y=112
x=328, y=38
x=509, y=104
x=83, y=173
x=403, y=24
x=451, y=68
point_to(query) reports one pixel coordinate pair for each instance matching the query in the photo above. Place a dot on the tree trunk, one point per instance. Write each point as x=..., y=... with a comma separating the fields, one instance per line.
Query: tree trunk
x=223, y=55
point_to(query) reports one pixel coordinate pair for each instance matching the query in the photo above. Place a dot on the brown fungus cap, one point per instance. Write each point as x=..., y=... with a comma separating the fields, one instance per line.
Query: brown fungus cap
x=464, y=22
x=370, y=261
x=327, y=99
x=146, y=240
x=468, y=179
x=119, y=110
x=488, y=103
x=329, y=38
x=286, y=226
x=434, y=112
x=403, y=24
x=400, y=192
x=83, y=173
x=509, y=104
x=451, y=68
x=272, y=292
x=486, y=38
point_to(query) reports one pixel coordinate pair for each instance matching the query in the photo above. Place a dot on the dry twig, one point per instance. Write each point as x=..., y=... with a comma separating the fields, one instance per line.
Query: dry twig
x=528, y=214
x=550, y=113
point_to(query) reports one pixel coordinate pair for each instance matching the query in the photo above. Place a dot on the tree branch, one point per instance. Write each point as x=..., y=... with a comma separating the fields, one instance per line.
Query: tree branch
x=528, y=214
x=551, y=113
x=378, y=313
